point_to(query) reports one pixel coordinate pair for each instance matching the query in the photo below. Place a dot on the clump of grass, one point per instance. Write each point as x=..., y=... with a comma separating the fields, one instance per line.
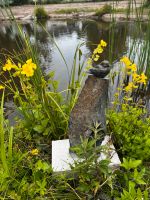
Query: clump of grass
x=146, y=4
x=106, y=9
x=68, y=11
x=40, y=13
x=120, y=10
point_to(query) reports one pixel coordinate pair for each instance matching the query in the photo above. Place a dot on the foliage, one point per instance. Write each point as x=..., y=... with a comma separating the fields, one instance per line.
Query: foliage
x=106, y=9
x=93, y=175
x=40, y=12
x=131, y=181
x=146, y=4
x=128, y=124
x=131, y=132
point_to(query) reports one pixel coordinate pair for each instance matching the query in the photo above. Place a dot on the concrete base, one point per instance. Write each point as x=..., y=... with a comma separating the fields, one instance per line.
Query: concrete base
x=61, y=157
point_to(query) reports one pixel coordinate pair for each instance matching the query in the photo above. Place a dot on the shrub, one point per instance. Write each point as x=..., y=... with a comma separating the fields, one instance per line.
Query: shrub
x=40, y=13
x=106, y=9
x=146, y=4
x=131, y=132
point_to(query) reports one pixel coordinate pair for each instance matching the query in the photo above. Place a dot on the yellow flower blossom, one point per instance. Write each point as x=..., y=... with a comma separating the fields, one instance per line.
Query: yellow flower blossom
x=27, y=70
x=1, y=87
x=89, y=61
x=103, y=43
x=96, y=57
x=34, y=152
x=130, y=87
x=143, y=79
x=29, y=62
x=126, y=61
x=132, y=67
x=9, y=65
x=95, y=51
x=98, y=50
x=136, y=77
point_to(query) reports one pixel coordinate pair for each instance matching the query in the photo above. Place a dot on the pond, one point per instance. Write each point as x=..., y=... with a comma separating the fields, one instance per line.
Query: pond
x=68, y=34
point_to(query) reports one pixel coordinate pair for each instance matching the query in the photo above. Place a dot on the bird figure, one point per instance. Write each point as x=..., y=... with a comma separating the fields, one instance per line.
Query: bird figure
x=101, y=70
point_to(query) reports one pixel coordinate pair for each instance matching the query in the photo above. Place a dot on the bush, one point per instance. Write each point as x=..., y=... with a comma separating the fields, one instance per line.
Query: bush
x=40, y=13
x=131, y=132
x=106, y=9
x=146, y=4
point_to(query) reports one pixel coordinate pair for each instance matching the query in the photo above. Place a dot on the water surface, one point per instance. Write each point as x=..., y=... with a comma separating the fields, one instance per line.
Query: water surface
x=68, y=34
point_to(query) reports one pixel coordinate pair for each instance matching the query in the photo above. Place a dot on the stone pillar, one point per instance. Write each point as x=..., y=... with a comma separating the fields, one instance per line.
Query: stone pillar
x=90, y=108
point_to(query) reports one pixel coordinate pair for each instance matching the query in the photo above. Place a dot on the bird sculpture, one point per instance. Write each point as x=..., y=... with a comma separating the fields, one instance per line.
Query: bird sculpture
x=101, y=70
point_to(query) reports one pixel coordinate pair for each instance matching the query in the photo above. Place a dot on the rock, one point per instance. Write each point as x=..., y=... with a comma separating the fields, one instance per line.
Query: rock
x=89, y=108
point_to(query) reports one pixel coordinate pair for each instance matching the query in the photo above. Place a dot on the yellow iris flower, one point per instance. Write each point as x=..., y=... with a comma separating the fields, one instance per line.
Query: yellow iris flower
x=1, y=87
x=130, y=87
x=34, y=152
x=28, y=68
x=126, y=61
x=9, y=65
x=143, y=79
x=103, y=43
x=98, y=50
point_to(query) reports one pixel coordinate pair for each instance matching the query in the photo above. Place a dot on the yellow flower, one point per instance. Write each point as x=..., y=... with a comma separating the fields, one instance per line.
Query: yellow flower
x=132, y=67
x=130, y=87
x=96, y=57
x=136, y=77
x=126, y=61
x=143, y=79
x=103, y=43
x=27, y=70
x=95, y=51
x=89, y=61
x=99, y=50
x=34, y=152
x=1, y=87
x=29, y=62
x=9, y=65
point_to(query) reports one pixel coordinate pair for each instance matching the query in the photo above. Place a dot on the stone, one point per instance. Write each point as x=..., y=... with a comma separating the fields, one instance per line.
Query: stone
x=62, y=158
x=90, y=108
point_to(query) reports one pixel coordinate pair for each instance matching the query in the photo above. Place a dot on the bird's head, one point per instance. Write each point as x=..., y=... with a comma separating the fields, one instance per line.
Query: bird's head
x=105, y=63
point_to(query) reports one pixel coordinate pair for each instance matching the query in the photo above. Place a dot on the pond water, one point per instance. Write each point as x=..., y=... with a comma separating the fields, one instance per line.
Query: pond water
x=68, y=34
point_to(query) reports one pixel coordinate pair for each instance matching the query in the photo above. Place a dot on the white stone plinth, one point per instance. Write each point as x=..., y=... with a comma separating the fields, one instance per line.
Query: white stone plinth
x=61, y=157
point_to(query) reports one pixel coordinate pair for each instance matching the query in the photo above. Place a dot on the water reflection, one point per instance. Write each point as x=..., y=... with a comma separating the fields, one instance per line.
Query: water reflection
x=68, y=34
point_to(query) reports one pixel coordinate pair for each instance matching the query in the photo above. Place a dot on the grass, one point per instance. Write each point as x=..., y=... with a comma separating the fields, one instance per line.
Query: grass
x=40, y=13
x=106, y=9
x=74, y=10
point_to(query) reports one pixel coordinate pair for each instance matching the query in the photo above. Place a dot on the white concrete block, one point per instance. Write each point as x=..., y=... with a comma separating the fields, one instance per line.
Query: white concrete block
x=61, y=157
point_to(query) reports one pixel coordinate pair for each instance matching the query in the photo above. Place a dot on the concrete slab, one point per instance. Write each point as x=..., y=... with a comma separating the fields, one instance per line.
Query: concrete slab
x=61, y=157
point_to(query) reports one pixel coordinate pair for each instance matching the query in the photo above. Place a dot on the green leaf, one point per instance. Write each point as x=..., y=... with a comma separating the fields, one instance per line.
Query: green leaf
x=139, y=194
x=130, y=164
x=38, y=128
